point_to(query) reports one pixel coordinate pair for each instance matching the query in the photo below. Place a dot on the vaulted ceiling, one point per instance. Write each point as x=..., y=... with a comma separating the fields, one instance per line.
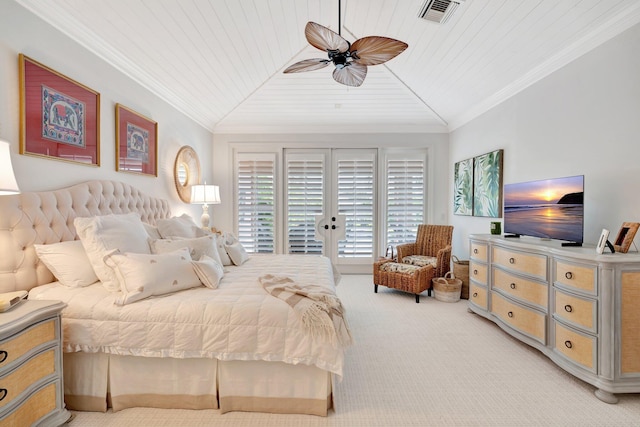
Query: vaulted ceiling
x=221, y=61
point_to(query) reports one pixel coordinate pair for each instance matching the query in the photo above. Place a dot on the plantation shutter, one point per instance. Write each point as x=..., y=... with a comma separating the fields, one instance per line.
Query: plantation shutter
x=405, y=197
x=256, y=201
x=305, y=200
x=355, y=186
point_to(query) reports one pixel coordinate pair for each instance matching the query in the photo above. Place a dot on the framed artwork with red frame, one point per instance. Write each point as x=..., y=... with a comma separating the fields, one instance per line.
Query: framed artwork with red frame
x=59, y=117
x=136, y=142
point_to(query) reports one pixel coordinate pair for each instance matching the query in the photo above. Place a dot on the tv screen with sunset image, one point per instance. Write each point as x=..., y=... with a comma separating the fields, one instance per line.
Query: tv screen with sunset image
x=549, y=209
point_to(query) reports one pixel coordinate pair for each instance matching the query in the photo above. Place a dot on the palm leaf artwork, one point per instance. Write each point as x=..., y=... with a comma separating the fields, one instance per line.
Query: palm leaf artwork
x=487, y=192
x=463, y=188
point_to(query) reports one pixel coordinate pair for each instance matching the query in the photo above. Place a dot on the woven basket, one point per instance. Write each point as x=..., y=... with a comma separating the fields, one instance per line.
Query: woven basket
x=461, y=271
x=447, y=288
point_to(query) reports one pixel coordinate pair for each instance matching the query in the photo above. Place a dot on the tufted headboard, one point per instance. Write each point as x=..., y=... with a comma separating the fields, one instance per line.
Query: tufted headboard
x=47, y=217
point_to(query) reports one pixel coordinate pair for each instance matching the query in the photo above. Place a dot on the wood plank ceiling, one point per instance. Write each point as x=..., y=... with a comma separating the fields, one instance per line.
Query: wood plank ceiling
x=221, y=61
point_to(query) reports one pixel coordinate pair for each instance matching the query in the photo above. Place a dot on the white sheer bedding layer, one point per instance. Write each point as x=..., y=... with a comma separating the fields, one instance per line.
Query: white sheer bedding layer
x=237, y=321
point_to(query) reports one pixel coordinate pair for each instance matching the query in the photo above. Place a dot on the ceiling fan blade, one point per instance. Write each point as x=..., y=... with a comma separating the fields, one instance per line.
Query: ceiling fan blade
x=307, y=65
x=324, y=39
x=375, y=50
x=351, y=75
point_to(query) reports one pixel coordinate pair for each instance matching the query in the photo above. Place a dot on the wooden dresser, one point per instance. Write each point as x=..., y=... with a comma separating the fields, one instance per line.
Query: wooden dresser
x=31, y=381
x=580, y=309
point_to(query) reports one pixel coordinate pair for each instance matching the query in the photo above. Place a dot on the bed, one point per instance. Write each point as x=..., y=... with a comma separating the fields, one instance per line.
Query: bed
x=235, y=348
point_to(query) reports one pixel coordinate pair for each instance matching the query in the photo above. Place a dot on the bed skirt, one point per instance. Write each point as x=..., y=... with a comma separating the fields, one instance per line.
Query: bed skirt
x=98, y=381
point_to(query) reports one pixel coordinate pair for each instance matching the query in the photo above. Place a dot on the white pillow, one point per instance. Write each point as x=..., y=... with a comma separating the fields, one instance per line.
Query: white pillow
x=68, y=262
x=198, y=247
x=152, y=231
x=102, y=234
x=237, y=253
x=222, y=251
x=179, y=226
x=209, y=271
x=144, y=275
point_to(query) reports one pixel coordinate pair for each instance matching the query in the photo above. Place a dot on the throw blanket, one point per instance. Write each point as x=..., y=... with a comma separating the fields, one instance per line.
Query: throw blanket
x=322, y=314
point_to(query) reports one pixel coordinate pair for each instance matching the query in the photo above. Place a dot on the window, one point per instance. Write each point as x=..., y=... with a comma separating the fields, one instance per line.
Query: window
x=405, y=196
x=356, y=188
x=256, y=201
x=305, y=200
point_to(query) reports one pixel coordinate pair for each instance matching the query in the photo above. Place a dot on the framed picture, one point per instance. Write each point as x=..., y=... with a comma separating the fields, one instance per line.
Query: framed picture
x=487, y=185
x=136, y=142
x=463, y=187
x=625, y=236
x=59, y=117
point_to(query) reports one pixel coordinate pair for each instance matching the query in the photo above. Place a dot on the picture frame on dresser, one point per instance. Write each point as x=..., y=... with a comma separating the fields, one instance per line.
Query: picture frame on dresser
x=59, y=117
x=625, y=236
x=136, y=142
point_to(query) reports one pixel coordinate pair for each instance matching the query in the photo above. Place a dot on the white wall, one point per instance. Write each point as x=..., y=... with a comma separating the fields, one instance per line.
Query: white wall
x=438, y=163
x=23, y=32
x=583, y=119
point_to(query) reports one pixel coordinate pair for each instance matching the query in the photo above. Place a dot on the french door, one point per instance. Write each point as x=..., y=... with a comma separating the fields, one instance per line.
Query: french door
x=329, y=205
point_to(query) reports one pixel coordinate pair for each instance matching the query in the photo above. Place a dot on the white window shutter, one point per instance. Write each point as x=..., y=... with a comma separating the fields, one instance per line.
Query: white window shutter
x=305, y=200
x=405, y=198
x=256, y=201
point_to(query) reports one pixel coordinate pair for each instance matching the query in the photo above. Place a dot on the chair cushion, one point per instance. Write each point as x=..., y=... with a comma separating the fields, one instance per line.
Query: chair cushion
x=420, y=260
x=399, y=268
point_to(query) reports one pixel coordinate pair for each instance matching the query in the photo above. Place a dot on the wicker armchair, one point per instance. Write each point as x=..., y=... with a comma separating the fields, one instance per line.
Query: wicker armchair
x=432, y=241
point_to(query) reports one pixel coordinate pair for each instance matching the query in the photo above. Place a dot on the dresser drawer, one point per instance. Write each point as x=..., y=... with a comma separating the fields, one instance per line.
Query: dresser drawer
x=479, y=252
x=478, y=272
x=16, y=346
x=525, y=320
x=580, y=312
x=580, y=348
x=576, y=276
x=27, y=374
x=529, y=264
x=478, y=296
x=530, y=291
x=39, y=404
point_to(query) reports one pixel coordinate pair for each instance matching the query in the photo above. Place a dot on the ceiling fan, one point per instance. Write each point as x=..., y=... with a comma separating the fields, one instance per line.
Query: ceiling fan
x=350, y=60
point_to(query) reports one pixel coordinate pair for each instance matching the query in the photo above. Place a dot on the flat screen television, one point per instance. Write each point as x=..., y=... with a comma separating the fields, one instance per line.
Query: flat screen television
x=549, y=209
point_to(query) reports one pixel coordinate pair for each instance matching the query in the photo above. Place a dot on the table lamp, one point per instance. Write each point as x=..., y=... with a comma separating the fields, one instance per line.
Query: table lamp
x=205, y=195
x=8, y=184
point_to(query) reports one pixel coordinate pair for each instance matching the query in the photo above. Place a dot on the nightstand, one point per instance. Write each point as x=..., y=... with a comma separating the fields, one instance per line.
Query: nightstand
x=31, y=381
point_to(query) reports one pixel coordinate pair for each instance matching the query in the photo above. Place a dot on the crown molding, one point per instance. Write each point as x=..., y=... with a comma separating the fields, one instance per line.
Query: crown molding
x=87, y=38
x=608, y=30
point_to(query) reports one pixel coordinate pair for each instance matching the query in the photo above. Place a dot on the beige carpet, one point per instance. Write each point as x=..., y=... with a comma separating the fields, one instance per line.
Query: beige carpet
x=427, y=364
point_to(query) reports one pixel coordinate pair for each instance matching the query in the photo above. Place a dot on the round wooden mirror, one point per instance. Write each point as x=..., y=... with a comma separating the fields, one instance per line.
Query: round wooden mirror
x=186, y=172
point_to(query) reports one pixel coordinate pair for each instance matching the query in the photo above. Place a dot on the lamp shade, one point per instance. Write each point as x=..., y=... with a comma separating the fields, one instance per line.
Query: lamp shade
x=205, y=194
x=8, y=184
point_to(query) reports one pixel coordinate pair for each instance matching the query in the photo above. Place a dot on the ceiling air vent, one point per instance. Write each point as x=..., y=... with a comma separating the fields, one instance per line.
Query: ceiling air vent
x=439, y=10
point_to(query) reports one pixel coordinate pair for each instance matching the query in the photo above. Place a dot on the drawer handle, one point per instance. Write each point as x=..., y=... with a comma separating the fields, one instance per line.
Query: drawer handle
x=568, y=344
x=475, y=251
x=512, y=260
x=3, y=393
x=3, y=355
x=475, y=272
x=512, y=286
x=568, y=275
x=475, y=294
x=568, y=308
x=510, y=314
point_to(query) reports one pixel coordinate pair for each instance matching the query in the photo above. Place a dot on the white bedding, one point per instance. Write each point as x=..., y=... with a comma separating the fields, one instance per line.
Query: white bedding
x=237, y=321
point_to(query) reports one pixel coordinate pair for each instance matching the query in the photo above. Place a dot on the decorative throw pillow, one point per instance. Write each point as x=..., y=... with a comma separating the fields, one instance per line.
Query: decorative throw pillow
x=143, y=275
x=198, y=247
x=68, y=262
x=222, y=251
x=102, y=234
x=237, y=253
x=152, y=231
x=209, y=271
x=179, y=226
